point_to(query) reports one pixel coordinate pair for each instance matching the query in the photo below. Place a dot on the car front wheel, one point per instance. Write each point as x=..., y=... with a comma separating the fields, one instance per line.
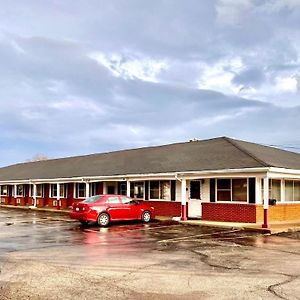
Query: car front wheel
x=103, y=219
x=146, y=216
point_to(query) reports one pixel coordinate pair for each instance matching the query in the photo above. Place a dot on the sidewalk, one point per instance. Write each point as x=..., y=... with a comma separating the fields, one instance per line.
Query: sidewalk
x=274, y=227
x=54, y=210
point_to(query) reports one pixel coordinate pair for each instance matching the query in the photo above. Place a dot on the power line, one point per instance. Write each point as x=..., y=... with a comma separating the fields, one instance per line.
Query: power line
x=285, y=146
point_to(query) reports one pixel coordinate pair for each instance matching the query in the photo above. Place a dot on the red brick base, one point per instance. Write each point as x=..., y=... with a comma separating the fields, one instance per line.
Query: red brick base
x=20, y=201
x=229, y=212
x=166, y=208
x=5, y=200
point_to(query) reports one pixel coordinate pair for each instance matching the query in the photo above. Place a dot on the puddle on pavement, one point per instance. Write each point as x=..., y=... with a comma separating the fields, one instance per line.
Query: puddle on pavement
x=38, y=232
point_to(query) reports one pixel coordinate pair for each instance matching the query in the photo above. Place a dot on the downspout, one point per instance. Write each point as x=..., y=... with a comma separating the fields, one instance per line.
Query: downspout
x=177, y=178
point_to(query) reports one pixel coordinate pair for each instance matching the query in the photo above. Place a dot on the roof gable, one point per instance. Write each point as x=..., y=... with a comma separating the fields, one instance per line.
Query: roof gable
x=271, y=156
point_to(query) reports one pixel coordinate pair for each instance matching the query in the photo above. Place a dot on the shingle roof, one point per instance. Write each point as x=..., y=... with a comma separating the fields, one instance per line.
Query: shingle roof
x=212, y=154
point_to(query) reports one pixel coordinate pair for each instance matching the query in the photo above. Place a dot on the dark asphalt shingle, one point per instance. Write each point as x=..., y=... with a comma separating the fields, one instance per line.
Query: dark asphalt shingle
x=212, y=154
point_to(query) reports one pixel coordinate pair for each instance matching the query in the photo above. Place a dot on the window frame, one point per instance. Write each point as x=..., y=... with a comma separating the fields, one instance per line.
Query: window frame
x=62, y=190
x=94, y=189
x=123, y=188
x=159, y=190
x=77, y=185
x=293, y=191
x=271, y=189
x=132, y=187
x=1, y=190
x=31, y=189
x=16, y=192
x=43, y=191
x=224, y=190
x=231, y=191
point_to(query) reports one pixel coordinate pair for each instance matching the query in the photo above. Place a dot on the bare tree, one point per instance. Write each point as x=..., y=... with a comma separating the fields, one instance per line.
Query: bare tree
x=38, y=157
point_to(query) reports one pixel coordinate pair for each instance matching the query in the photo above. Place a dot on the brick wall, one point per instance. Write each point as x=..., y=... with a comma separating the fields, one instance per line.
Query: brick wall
x=5, y=200
x=166, y=208
x=40, y=202
x=229, y=212
x=53, y=203
x=280, y=212
x=20, y=201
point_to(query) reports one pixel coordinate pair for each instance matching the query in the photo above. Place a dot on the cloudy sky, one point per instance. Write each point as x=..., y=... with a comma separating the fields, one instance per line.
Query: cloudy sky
x=85, y=76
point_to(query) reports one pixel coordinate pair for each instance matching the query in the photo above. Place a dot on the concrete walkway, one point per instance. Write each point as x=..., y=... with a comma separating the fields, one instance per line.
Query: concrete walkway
x=274, y=227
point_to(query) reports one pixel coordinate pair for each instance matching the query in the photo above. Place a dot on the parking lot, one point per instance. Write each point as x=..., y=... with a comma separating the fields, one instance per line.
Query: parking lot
x=48, y=256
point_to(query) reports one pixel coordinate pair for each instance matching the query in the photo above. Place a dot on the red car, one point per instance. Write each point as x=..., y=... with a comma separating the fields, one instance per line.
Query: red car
x=104, y=209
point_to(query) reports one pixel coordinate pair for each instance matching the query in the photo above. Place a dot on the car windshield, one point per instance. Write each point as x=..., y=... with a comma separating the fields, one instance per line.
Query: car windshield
x=92, y=199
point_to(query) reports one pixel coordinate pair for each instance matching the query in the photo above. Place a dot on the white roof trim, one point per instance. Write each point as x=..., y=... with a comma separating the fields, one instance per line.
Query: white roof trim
x=285, y=171
x=135, y=177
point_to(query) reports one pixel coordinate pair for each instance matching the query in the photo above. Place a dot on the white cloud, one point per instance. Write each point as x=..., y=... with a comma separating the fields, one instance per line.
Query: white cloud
x=286, y=84
x=219, y=76
x=232, y=11
x=130, y=68
x=137, y=73
x=275, y=6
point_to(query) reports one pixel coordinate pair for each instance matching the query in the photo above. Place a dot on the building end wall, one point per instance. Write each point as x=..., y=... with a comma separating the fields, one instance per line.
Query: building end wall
x=281, y=212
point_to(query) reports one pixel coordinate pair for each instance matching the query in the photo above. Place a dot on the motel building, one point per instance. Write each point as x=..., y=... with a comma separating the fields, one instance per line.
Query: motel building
x=220, y=179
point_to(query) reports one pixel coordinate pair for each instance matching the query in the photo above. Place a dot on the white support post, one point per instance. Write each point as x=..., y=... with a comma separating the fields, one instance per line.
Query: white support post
x=282, y=190
x=183, y=200
x=58, y=191
x=15, y=191
x=258, y=189
x=15, y=194
x=266, y=202
x=74, y=190
x=128, y=188
x=266, y=192
x=58, y=195
x=87, y=189
x=34, y=195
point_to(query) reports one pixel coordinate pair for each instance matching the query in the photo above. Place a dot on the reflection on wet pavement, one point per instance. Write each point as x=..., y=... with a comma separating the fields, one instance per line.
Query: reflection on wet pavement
x=43, y=256
x=29, y=232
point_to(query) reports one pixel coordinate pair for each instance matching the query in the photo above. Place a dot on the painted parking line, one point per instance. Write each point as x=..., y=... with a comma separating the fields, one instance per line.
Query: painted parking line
x=197, y=235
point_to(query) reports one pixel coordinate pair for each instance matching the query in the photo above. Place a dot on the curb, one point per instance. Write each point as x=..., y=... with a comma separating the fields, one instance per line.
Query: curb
x=60, y=211
x=258, y=230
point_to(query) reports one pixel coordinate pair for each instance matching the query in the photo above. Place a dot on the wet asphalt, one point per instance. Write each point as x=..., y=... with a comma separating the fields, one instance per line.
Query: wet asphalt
x=48, y=256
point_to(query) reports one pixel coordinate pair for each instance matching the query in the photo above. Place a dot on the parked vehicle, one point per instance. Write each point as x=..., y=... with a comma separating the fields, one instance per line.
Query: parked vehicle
x=105, y=209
